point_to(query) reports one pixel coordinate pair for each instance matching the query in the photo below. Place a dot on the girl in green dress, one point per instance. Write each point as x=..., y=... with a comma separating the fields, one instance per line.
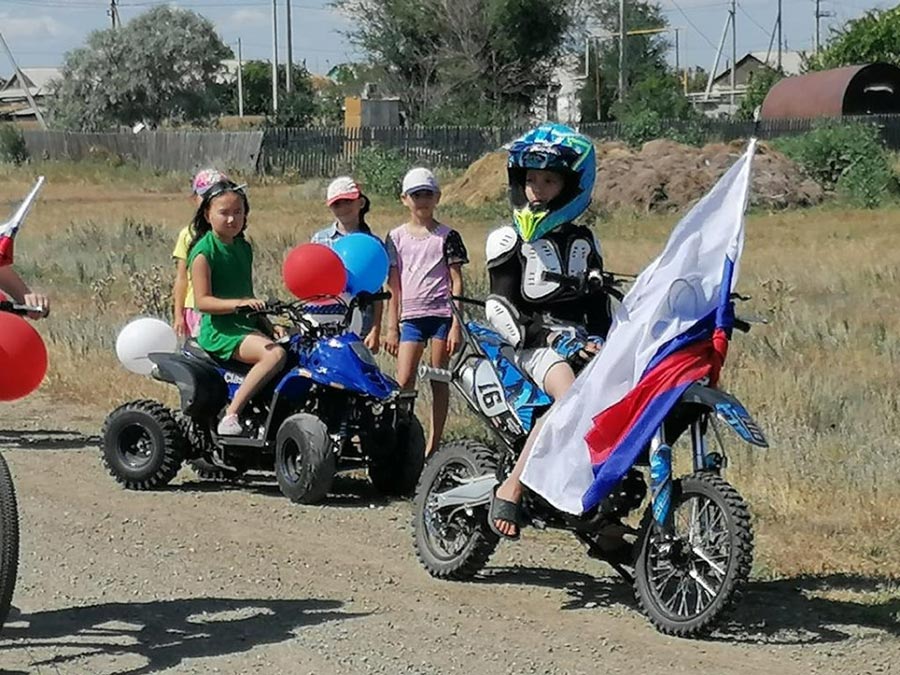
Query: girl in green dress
x=221, y=264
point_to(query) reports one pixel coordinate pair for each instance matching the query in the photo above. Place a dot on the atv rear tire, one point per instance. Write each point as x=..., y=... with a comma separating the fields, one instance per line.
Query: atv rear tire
x=304, y=459
x=686, y=586
x=9, y=540
x=455, y=545
x=143, y=445
x=396, y=472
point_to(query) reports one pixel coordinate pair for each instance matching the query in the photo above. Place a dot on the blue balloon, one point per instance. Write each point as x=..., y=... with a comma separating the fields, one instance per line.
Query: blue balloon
x=366, y=261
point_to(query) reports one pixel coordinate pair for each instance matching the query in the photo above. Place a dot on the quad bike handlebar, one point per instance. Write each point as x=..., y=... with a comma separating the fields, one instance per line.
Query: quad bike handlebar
x=21, y=310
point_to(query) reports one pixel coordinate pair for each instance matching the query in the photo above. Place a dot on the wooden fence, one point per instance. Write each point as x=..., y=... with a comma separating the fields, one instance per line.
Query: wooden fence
x=324, y=152
x=162, y=150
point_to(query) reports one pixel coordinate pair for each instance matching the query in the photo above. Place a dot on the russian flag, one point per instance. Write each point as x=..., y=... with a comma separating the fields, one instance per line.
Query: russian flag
x=10, y=228
x=671, y=330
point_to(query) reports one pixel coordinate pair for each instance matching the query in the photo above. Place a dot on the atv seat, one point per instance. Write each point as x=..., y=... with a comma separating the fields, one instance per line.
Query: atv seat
x=193, y=348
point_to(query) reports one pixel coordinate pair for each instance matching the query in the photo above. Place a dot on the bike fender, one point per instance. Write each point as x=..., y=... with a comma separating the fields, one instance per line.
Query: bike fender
x=728, y=409
x=202, y=389
x=472, y=492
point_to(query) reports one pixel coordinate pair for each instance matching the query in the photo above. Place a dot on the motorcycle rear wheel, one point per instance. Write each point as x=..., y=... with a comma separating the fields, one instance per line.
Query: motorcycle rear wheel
x=687, y=585
x=453, y=543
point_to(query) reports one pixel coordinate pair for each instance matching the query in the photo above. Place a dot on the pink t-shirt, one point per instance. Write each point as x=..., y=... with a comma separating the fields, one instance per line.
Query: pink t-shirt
x=424, y=266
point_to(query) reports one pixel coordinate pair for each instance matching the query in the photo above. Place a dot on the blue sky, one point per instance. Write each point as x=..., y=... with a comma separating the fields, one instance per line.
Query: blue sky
x=41, y=31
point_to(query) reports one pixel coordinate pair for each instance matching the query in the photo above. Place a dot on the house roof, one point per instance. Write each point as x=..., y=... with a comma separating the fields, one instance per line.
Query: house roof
x=791, y=63
x=35, y=79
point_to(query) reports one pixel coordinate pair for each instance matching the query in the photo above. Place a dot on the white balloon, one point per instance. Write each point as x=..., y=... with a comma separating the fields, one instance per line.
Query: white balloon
x=142, y=337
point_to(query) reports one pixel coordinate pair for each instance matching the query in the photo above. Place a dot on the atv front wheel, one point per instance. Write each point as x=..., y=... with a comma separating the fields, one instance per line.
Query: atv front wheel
x=304, y=459
x=143, y=445
x=453, y=542
x=686, y=583
x=395, y=470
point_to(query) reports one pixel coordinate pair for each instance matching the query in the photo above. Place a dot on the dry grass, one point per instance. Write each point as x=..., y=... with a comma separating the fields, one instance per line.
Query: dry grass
x=820, y=377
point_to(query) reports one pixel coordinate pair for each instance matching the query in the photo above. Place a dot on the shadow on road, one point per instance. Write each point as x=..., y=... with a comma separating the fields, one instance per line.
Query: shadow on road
x=792, y=611
x=165, y=633
x=347, y=491
x=46, y=439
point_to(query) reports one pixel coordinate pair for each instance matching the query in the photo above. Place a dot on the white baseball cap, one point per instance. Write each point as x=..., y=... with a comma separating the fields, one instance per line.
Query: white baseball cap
x=419, y=179
x=342, y=187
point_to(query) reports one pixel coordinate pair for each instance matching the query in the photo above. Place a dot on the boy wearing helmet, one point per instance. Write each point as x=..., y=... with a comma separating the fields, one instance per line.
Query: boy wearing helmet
x=552, y=326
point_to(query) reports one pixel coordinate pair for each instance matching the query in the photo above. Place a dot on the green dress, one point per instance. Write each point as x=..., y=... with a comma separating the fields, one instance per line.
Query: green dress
x=231, y=277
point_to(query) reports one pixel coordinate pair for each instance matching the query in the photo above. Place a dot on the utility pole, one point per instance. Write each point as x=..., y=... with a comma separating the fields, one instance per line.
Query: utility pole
x=290, y=50
x=240, y=80
x=597, y=80
x=274, y=56
x=23, y=84
x=677, y=59
x=779, y=36
x=621, y=50
x=820, y=14
x=733, y=11
x=113, y=13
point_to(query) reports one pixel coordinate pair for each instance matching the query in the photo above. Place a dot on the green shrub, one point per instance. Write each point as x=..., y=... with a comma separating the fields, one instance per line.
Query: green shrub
x=12, y=144
x=849, y=159
x=648, y=125
x=380, y=169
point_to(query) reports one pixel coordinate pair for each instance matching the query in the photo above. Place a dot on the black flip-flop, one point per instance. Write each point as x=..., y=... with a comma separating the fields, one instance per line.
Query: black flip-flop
x=502, y=509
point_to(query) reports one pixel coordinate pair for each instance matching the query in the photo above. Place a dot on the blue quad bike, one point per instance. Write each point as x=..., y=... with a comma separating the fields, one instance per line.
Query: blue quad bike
x=330, y=410
x=691, y=553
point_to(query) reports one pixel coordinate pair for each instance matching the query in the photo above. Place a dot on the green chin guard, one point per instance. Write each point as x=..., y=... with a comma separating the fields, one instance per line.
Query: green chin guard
x=529, y=222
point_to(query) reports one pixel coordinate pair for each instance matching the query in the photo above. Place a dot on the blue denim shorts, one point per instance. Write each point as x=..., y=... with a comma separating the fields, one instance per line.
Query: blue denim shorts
x=423, y=328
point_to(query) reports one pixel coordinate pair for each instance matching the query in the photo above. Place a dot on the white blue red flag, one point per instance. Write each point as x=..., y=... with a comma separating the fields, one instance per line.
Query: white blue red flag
x=671, y=330
x=10, y=228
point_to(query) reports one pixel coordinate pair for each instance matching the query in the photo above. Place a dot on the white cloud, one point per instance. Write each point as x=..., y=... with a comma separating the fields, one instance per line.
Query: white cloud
x=247, y=17
x=37, y=26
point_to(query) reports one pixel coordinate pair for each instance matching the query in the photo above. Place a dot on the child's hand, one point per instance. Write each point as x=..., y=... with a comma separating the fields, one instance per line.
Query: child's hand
x=392, y=342
x=250, y=303
x=37, y=300
x=454, y=339
x=279, y=332
x=180, y=327
x=373, y=340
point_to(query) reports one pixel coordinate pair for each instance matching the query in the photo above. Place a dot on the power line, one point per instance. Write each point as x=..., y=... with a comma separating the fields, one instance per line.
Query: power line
x=753, y=21
x=693, y=25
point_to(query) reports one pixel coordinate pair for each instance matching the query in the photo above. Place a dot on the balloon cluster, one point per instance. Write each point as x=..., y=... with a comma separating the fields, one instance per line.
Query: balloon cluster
x=358, y=263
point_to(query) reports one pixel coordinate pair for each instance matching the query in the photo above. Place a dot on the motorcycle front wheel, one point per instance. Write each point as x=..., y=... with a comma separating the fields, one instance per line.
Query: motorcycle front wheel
x=685, y=584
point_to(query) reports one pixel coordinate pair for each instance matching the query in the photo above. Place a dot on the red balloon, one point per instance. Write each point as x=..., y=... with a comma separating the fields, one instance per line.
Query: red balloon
x=23, y=357
x=314, y=269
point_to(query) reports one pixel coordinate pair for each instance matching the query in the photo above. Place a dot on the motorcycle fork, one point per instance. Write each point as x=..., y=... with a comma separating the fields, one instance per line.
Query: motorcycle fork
x=661, y=483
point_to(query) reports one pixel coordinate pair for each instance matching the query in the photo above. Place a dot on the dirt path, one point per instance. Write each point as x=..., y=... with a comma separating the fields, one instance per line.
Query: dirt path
x=201, y=578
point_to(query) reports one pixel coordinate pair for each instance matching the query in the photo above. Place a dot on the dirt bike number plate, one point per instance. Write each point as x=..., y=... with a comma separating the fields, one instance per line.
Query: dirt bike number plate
x=489, y=391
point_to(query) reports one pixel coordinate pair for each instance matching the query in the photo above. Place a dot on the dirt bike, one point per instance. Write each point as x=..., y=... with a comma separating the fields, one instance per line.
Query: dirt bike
x=692, y=551
x=330, y=409
x=9, y=512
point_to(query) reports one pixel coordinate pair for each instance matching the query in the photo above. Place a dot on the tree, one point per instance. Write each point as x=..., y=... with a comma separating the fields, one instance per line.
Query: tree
x=758, y=88
x=875, y=36
x=295, y=109
x=162, y=66
x=646, y=60
x=461, y=61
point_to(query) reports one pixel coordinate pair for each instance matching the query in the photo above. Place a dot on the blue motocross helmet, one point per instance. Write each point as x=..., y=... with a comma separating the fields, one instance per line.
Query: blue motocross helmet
x=557, y=148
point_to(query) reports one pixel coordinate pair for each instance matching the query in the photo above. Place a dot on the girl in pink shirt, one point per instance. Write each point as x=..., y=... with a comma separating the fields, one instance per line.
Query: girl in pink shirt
x=426, y=269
